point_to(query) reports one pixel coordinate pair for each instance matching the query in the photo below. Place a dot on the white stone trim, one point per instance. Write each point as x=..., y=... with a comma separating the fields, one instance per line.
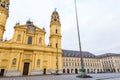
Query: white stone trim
x=36, y=72
x=12, y=73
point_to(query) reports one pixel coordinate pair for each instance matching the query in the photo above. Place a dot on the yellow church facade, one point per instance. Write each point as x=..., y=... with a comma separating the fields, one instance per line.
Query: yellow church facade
x=26, y=53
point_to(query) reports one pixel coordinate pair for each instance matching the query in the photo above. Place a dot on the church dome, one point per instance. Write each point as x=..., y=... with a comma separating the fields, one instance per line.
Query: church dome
x=29, y=22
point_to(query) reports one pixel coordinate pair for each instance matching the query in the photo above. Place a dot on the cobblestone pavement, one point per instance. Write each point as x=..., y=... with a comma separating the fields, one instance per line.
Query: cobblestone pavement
x=104, y=76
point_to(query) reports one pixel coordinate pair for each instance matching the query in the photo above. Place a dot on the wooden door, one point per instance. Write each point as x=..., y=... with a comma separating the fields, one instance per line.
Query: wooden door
x=26, y=68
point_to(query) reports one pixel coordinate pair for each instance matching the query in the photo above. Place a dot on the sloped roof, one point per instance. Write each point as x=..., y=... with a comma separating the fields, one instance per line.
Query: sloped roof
x=108, y=55
x=71, y=53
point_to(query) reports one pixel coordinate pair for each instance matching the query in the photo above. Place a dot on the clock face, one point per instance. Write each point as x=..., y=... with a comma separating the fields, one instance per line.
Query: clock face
x=31, y=28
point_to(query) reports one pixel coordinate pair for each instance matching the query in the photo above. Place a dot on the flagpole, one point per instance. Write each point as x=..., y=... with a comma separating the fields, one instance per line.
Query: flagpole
x=83, y=75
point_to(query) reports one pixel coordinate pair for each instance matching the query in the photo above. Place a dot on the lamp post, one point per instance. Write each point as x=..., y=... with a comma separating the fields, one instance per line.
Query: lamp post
x=83, y=75
x=57, y=50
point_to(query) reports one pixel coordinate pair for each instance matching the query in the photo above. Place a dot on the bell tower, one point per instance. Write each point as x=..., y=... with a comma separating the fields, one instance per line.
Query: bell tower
x=55, y=30
x=4, y=13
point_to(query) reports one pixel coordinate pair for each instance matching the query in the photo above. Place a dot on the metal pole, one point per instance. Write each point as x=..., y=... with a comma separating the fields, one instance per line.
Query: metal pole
x=57, y=50
x=82, y=64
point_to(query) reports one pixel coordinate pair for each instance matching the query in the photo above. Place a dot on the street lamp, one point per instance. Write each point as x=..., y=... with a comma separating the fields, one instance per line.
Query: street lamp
x=57, y=50
x=83, y=75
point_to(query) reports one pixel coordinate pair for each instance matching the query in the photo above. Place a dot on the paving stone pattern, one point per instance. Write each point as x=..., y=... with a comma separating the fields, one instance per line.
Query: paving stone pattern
x=104, y=76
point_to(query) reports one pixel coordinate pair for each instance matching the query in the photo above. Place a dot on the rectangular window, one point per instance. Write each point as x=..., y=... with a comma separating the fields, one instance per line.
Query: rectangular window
x=14, y=61
x=19, y=38
x=38, y=62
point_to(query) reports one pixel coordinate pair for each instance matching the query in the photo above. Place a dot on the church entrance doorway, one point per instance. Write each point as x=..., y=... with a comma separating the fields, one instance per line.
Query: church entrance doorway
x=2, y=72
x=26, y=68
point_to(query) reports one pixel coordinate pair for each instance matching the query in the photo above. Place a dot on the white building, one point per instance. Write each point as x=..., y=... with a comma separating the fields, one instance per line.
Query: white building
x=93, y=64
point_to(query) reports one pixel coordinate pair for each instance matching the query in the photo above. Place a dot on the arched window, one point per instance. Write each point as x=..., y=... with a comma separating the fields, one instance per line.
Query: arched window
x=55, y=18
x=14, y=61
x=19, y=37
x=38, y=62
x=56, y=45
x=29, y=40
x=56, y=31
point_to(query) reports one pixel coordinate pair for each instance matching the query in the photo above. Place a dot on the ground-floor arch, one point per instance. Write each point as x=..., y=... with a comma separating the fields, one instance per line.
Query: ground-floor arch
x=71, y=70
x=64, y=71
x=68, y=71
x=2, y=72
x=88, y=70
x=76, y=71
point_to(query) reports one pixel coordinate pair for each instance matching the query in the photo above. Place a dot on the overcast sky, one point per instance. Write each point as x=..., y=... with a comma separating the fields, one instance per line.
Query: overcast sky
x=99, y=22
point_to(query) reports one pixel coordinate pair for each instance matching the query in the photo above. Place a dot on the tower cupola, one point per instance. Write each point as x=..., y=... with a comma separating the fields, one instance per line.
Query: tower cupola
x=55, y=18
x=55, y=12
